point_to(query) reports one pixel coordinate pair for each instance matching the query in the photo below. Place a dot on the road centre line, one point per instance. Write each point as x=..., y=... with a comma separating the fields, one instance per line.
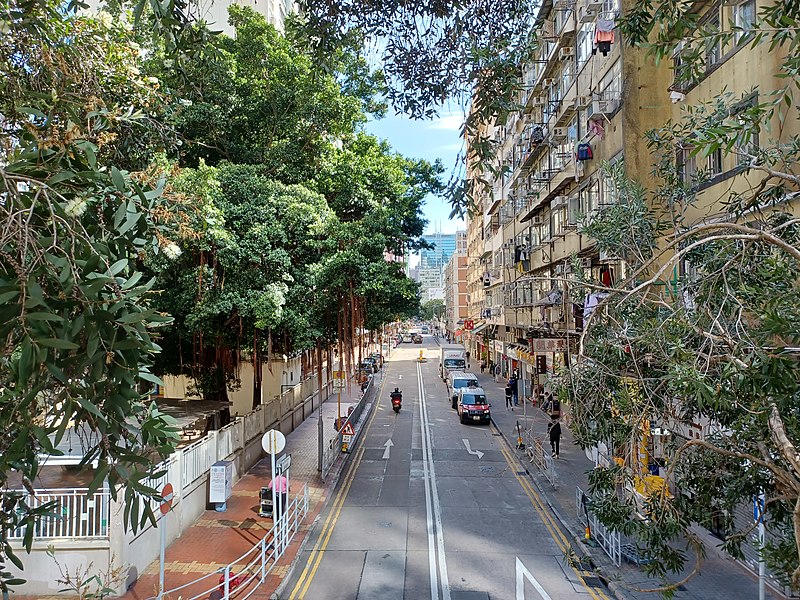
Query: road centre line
x=318, y=551
x=429, y=471
x=548, y=519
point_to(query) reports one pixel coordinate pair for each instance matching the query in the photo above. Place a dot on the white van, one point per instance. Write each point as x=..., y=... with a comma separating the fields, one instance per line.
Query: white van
x=458, y=380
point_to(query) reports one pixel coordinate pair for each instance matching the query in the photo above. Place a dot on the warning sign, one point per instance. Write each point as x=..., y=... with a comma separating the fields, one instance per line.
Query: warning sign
x=348, y=429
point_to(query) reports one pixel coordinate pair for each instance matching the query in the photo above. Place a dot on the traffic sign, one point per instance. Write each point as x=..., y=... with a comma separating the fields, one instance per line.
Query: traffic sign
x=348, y=429
x=283, y=463
x=339, y=380
x=273, y=442
x=167, y=493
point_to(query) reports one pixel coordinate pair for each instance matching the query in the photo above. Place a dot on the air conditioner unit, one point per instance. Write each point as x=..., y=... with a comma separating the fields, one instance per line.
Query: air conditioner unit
x=567, y=52
x=582, y=102
x=586, y=263
x=537, y=220
x=559, y=269
x=600, y=108
x=559, y=201
x=549, y=82
x=594, y=5
x=559, y=133
x=540, y=101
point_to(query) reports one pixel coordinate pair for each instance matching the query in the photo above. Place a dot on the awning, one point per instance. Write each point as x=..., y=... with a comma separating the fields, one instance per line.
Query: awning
x=480, y=327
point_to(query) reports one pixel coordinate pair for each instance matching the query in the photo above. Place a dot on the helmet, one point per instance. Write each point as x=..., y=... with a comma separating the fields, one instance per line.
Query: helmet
x=396, y=389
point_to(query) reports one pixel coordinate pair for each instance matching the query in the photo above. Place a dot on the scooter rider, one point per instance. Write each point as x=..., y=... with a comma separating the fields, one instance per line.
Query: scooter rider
x=396, y=395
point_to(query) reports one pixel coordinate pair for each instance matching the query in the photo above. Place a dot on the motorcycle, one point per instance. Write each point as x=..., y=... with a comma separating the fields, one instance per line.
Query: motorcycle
x=397, y=401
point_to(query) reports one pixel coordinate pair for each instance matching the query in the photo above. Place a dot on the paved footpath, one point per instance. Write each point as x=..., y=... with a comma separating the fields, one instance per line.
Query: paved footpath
x=219, y=538
x=719, y=577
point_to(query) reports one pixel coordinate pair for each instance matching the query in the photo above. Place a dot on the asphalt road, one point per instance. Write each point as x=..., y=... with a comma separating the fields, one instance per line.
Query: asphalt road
x=430, y=508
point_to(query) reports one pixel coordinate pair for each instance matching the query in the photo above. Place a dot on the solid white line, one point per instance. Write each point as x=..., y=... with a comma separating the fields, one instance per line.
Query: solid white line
x=437, y=509
x=428, y=503
x=523, y=573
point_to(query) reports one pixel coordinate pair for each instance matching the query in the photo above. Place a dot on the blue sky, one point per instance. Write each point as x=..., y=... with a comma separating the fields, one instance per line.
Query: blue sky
x=429, y=140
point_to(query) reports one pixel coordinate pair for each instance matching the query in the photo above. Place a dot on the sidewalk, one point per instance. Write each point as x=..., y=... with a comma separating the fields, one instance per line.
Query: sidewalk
x=218, y=538
x=719, y=577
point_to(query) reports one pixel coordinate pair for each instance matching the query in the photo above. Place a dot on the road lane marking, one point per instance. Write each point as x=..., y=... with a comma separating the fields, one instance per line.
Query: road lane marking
x=522, y=575
x=388, y=445
x=316, y=554
x=430, y=480
x=547, y=518
x=477, y=453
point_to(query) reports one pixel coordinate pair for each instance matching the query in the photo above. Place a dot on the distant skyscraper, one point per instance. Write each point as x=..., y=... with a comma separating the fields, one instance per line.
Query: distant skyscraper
x=432, y=262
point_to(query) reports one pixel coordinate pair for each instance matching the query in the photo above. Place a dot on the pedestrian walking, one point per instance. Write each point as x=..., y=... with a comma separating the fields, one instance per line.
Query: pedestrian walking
x=514, y=383
x=497, y=373
x=467, y=355
x=554, y=431
x=483, y=366
x=509, y=400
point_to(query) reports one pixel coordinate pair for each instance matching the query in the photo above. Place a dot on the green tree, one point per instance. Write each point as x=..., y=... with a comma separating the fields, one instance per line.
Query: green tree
x=432, y=309
x=77, y=322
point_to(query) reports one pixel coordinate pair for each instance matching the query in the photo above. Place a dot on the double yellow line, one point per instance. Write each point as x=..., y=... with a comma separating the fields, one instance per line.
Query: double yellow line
x=315, y=558
x=547, y=518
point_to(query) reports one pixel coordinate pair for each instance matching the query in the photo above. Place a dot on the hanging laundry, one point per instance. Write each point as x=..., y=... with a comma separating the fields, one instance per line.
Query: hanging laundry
x=606, y=276
x=596, y=127
x=603, y=36
x=584, y=152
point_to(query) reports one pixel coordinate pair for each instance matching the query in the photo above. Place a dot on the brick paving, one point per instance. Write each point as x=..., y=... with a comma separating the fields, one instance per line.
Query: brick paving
x=219, y=538
x=719, y=577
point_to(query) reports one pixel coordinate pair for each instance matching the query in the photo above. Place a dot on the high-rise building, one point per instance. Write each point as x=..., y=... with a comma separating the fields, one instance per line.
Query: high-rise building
x=433, y=261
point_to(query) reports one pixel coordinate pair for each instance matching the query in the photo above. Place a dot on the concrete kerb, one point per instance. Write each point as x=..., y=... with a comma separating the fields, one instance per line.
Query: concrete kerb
x=331, y=482
x=578, y=545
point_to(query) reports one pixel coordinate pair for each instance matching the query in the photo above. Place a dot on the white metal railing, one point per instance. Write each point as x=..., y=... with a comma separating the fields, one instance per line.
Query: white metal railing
x=197, y=459
x=225, y=441
x=76, y=514
x=540, y=457
x=243, y=576
x=609, y=540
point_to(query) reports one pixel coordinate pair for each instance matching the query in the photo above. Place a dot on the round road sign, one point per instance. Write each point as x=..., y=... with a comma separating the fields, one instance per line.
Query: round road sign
x=273, y=442
x=167, y=493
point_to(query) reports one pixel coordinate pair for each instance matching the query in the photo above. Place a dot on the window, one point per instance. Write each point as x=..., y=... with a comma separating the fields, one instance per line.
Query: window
x=744, y=17
x=585, y=37
x=713, y=50
x=715, y=163
x=611, y=84
x=558, y=221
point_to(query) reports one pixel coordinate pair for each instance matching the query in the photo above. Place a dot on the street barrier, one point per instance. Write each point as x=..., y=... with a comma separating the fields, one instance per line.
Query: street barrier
x=609, y=540
x=244, y=575
x=331, y=446
x=540, y=457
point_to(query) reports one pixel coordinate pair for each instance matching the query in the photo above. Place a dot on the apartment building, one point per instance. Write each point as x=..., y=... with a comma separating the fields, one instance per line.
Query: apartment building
x=587, y=99
x=215, y=12
x=455, y=294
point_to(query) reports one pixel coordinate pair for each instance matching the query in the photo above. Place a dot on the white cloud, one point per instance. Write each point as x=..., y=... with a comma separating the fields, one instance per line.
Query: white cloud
x=450, y=122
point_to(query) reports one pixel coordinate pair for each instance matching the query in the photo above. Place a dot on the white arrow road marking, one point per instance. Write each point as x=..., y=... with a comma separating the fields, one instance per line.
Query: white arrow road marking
x=522, y=575
x=399, y=376
x=477, y=453
x=388, y=445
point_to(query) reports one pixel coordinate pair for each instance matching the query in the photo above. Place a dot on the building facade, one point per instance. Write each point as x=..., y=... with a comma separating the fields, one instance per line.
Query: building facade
x=215, y=12
x=455, y=294
x=432, y=264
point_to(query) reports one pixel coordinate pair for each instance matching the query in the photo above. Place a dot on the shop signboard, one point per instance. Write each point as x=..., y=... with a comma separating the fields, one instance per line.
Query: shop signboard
x=548, y=345
x=497, y=346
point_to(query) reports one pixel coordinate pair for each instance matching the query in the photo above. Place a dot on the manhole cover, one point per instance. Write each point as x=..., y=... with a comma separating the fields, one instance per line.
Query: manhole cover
x=487, y=469
x=386, y=524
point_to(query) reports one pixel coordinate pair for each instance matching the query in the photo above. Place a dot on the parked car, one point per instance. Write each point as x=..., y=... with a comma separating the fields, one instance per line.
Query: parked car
x=378, y=358
x=473, y=405
x=458, y=380
x=372, y=363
